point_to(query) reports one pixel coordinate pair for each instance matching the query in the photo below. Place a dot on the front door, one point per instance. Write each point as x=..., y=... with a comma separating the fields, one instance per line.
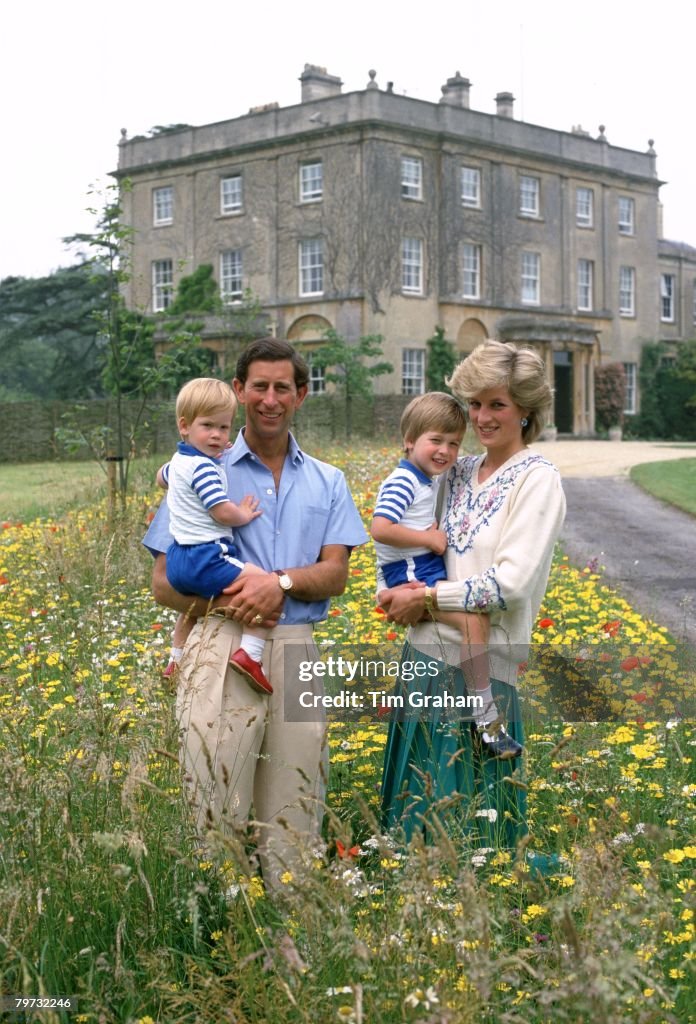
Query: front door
x=563, y=383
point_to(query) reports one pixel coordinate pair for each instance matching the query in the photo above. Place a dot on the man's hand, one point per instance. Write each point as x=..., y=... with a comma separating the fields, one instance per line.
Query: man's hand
x=249, y=596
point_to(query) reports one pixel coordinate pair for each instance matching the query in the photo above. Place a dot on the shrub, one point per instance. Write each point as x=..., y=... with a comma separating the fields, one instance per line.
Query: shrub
x=610, y=395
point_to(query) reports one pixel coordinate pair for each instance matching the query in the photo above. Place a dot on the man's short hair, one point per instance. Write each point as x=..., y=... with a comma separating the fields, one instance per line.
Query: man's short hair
x=272, y=350
x=204, y=396
x=432, y=411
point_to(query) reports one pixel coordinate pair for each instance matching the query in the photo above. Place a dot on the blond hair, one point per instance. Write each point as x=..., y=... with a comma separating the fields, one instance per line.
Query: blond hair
x=522, y=371
x=432, y=411
x=204, y=396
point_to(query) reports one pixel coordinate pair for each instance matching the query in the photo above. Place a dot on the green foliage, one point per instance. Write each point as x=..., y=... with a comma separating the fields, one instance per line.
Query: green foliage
x=345, y=364
x=132, y=368
x=197, y=293
x=50, y=344
x=442, y=360
x=667, y=392
x=610, y=395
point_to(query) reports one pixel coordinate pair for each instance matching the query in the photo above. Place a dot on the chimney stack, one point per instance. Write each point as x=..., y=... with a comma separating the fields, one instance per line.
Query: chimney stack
x=504, y=103
x=317, y=84
x=455, y=92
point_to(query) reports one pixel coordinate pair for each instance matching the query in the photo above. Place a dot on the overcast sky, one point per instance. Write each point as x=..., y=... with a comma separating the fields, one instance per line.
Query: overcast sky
x=73, y=73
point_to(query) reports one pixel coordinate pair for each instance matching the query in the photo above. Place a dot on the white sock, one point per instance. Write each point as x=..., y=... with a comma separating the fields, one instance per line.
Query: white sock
x=253, y=645
x=488, y=712
x=176, y=654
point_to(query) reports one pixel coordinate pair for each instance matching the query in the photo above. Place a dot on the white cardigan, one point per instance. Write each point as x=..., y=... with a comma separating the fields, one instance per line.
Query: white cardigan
x=501, y=536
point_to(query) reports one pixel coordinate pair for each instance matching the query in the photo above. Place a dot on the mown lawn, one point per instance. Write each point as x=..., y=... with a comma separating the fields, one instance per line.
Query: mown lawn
x=105, y=893
x=673, y=482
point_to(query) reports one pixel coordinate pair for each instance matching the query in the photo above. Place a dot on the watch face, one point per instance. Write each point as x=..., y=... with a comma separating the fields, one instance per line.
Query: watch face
x=285, y=582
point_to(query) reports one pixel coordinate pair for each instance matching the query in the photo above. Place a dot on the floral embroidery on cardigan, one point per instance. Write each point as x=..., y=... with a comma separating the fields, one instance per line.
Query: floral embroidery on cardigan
x=469, y=511
x=482, y=592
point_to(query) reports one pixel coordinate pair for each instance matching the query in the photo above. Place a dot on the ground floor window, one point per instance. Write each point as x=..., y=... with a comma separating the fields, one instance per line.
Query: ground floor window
x=413, y=371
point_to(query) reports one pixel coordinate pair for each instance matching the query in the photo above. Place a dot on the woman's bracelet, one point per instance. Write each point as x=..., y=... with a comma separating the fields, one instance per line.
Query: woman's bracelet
x=430, y=600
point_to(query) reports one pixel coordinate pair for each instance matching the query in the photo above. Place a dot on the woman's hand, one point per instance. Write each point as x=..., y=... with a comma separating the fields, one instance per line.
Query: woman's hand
x=405, y=604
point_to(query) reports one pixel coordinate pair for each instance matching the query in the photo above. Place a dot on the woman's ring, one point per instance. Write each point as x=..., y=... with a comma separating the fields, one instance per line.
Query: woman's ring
x=258, y=619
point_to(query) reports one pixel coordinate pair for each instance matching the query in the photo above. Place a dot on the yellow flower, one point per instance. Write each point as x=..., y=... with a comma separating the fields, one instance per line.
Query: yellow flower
x=674, y=856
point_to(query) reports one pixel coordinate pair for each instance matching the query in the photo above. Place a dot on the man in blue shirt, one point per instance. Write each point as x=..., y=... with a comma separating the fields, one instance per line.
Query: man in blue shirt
x=238, y=748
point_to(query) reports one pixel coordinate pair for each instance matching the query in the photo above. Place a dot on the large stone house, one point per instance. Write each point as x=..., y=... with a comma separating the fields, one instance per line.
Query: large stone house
x=376, y=213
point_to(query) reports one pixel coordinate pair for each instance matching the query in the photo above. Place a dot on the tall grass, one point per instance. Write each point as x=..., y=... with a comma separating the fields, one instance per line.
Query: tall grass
x=106, y=894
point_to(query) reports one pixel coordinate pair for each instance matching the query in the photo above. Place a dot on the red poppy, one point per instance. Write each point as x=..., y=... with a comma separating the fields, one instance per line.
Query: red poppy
x=545, y=623
x=3, y=580
x=334, y=612
x=612, y=628
x=344, y=853
x=379, y=611
x=391, y=635
x=628, y=664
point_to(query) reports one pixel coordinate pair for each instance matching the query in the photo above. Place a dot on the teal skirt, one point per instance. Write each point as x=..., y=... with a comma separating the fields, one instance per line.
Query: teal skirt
x=436, y=776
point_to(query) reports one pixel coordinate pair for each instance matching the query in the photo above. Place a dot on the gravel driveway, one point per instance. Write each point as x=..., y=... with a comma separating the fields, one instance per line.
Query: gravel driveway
x=647, y=547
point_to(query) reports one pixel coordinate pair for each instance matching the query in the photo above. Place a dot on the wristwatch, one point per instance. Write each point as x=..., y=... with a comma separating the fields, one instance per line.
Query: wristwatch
x=429, y=600
x=284, y=580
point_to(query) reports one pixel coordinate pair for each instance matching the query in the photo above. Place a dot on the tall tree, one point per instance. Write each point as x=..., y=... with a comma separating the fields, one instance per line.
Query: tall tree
x=50, y=344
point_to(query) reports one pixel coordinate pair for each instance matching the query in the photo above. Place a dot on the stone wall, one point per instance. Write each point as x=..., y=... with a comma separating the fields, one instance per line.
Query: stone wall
x=321, y=419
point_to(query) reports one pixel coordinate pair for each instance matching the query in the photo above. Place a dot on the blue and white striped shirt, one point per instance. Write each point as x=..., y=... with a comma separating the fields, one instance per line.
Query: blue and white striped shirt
x=196, y=484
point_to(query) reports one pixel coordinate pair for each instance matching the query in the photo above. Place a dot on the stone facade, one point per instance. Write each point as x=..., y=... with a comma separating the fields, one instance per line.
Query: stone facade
x=375, y=213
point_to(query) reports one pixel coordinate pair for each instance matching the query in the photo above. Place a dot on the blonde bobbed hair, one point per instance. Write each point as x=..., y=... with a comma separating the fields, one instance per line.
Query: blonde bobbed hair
x=204, y=396
x=522, y=371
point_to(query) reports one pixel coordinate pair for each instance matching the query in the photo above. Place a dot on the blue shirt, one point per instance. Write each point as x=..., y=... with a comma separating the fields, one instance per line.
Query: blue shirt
x=312, y=508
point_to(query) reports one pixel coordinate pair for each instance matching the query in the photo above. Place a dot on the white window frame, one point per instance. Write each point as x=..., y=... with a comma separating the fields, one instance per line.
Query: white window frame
x=627, y=291
x=411, y=177
x=470, y=182
x=631, y=372
x=627, y=215
x=585, y=285
x=530, y=278
x=471, y=270
x=668, y=291
x=162, y=285
x=584, y=207
x=311, y=181
x=530, y=189
x=413, y=371
x=412, y=266
x=163, y=205
x=231, y=270
x=231, y=194
x=316, y=384
x=311, y=266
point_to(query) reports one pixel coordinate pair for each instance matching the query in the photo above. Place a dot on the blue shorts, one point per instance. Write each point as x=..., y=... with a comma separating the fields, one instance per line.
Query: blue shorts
x=428, y=568
x=203, y=569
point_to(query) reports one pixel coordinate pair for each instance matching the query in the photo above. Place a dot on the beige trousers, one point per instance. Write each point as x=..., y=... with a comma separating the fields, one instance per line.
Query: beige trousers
x=238, y=750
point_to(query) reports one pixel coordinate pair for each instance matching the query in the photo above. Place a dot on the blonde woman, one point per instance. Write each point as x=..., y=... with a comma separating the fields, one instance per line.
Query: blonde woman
x=502, y=512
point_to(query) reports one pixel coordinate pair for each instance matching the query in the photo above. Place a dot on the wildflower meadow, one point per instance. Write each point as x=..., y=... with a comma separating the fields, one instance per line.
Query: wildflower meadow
x=107, y=899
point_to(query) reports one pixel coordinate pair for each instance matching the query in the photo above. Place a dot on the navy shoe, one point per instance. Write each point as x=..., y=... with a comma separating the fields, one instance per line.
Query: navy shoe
x=499, y=745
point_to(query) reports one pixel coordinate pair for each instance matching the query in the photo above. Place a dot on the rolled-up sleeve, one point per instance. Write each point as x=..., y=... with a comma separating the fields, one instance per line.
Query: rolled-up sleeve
x=158, y=538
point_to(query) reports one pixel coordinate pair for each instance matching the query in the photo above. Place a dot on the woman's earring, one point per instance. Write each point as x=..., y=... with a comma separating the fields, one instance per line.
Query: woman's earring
x=524, y=421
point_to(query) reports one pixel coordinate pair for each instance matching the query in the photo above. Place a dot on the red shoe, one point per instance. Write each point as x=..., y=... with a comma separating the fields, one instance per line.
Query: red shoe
x=246, y=666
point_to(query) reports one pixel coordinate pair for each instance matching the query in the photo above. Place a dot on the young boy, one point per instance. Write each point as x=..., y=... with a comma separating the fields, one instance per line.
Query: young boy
x=410, y=546
x=203, y=558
